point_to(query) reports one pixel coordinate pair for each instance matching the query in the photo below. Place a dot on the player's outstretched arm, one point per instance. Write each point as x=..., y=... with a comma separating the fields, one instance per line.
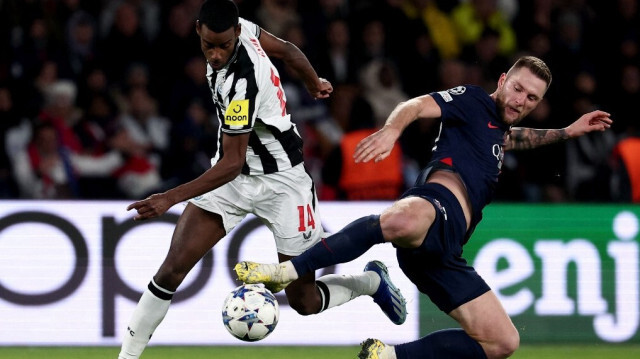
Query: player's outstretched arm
x=296, y=60
x=378, y=145
x=589, y=122
x=524, y=138
x=225, y=170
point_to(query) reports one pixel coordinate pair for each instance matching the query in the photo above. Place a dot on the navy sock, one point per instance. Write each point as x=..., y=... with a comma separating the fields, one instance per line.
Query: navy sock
x=346, y=245
x=448, y=343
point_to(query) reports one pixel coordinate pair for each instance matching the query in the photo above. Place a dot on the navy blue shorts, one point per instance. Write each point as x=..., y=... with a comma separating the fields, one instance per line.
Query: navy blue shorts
x=437, y=267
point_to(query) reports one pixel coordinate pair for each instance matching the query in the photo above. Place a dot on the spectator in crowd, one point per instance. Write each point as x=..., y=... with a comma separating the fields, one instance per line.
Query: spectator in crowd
x=472, y=17
x=625, y=182
x=125, y=42
x=317, y=15
x=177, y=46
x=338, y=60
x=484, y=56
x=193, y=143
x=625, y=161
x=419, y=68
x=439, y=24
x=82, y=36
x=95, y=130
x=145, y=126
x=93, y=82
x=61, y=111
x=36, y=44
x=191, y=86
x=9, y=119
x=533, y=19
x=624, y=103
x=352, y=181
x=148, y=137
x=373, y=44
x=147, y=14
x=44, y=170
x=381, y=88
x=571, y=53
x=588, y=157
x=276, y=15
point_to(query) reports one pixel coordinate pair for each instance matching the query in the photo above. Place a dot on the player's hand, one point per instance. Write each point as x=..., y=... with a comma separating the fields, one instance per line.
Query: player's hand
x=376, y=146
x=151, y=207
x=322, y=89
x=589, y=122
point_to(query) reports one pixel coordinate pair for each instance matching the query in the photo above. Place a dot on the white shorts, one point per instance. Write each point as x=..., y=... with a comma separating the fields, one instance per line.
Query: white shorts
x=285, y=201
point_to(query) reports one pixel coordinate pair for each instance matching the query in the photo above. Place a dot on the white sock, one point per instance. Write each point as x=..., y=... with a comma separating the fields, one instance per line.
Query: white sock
x=389, y=352
x=148, y=314
x=289, y=270
x=343, y=288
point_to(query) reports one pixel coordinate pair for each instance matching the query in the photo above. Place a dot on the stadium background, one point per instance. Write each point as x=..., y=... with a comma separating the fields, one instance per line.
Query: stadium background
x=125, y=78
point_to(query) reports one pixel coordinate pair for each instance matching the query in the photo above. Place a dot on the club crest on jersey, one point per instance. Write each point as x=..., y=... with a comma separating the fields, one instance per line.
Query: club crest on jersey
x=458, y=90
x=237, y=113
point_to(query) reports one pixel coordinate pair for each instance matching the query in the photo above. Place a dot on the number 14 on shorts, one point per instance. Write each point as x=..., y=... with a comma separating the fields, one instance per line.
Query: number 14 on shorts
x=305, y=216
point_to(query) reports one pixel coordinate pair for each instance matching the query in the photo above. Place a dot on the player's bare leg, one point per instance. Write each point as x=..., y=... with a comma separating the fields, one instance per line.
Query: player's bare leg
x=196, y=232
x=486, y=321
x=487, y=333
x=303, y=294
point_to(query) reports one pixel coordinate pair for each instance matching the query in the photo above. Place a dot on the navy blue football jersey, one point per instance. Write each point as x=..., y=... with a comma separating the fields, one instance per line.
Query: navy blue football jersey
x=471, y=140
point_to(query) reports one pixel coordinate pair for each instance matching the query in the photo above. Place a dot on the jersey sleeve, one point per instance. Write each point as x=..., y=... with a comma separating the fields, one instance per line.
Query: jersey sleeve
x=247, y=25
x=452, y=103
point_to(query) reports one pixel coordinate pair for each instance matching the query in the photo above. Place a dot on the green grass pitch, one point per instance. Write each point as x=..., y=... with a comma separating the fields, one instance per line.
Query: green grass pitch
x=602, y=351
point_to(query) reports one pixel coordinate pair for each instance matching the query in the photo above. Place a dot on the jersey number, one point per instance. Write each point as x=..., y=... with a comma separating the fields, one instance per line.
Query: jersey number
x=306, y=218
x=275, y=80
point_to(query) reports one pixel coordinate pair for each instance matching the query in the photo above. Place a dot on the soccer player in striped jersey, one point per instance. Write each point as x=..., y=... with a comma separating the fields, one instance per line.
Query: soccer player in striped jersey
x=258, y=168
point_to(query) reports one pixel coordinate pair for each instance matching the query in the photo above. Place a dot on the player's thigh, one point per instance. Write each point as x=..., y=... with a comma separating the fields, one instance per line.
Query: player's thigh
x=196, y=232
x=485, y=319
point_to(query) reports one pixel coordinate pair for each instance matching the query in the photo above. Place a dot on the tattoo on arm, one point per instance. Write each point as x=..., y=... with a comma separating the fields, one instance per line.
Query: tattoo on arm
x=524, y=138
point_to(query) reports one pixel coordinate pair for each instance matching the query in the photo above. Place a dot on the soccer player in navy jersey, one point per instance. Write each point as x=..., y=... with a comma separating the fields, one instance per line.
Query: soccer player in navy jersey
x=258, y=168
x=432, y=221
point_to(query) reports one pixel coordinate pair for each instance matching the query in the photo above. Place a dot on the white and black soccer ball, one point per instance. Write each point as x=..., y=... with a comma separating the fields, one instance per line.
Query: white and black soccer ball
x=250, y=312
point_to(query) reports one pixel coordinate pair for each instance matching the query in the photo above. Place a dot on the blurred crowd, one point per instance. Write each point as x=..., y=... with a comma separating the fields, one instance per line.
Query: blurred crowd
x=108, y=99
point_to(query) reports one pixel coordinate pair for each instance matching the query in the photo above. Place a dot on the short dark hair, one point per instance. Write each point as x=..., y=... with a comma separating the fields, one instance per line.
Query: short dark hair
x=219, y=15
x=536, y=66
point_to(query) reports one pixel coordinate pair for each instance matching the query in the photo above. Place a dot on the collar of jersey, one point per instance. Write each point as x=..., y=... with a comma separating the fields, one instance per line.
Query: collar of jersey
x=233, y=57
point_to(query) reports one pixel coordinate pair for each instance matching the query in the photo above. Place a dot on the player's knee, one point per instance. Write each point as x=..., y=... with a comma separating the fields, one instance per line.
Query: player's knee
x=512, y=343
x=395, y=225
x=505, y=346
x=402, y=228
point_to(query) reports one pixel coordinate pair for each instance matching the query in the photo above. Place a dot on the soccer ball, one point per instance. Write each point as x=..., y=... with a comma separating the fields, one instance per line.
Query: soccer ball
x=250, y=312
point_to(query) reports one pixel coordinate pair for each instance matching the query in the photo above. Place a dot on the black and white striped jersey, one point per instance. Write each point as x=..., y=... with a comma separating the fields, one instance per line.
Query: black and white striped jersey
x=249, y=98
